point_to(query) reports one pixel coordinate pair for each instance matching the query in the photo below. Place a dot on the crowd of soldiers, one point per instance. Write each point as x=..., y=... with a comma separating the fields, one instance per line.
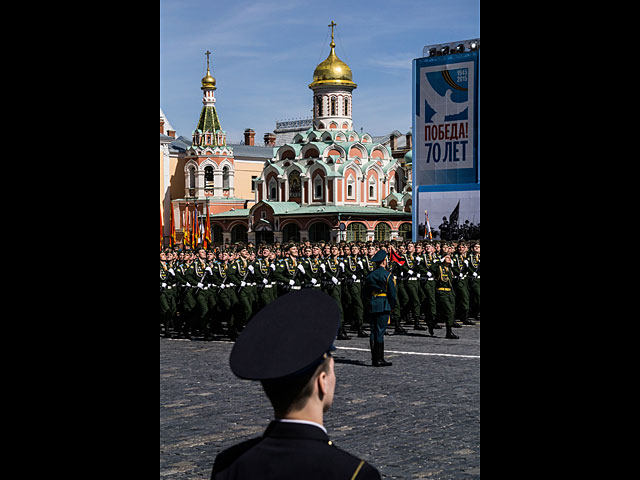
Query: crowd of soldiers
x=207, y=292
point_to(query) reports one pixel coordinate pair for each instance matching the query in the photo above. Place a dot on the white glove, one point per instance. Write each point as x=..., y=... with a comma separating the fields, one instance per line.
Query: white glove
x=354, y=277
x=291, y=282
x=250, y=267
x=200, y=285
x=188, y=284
x=314, y=281
x=222, y=286
x=265, y=281
x=475, y=274
x=429, y=274
x=242, y=284
x=342, y=265
x=171, y=271
x=208, y=269
x=460, y=275
x=301, y=268
x=410, y=272
x=418, y=275
x=164, y=284
x=324, y=269
x=334, y=280
x=273, y=267
x=360, y=263
x=466, y=262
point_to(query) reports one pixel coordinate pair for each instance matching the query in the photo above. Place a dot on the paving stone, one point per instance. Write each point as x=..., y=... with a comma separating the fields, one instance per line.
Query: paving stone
x=419, y=418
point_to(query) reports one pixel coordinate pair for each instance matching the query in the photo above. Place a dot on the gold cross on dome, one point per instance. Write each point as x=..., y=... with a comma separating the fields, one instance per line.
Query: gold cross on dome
x=332, y=24
x=207, y=53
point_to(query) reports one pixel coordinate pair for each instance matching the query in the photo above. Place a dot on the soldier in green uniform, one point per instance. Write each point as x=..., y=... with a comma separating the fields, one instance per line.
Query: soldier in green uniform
x=460, y=266
x=411, y=286
x=188, y=281
x=287, y=273
x=167, y=300
x=333, y=274
x=263, y=276
x=354, y=276
x=225, y=291
x=429, y=258
x=312, y=277
x=381, y=291
x=444, y=295
x=240, y=275
x=474, y=281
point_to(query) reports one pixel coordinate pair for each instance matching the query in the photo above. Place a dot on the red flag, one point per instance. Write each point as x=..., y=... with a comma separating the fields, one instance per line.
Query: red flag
x=395, y=257
x=160, y=227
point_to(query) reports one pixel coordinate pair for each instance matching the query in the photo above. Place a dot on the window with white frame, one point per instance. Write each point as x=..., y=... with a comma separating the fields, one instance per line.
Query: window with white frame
x=318, y=187
x=273, y=189
x=351, y=188
x=373, y=187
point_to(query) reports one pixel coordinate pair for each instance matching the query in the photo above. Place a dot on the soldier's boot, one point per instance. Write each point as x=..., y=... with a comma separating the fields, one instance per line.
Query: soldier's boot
x=416, y=323
x=373, y=351
x=398, y=328
x=450, y=334
x=342, y=334
x=380, y=361
x=466, y=320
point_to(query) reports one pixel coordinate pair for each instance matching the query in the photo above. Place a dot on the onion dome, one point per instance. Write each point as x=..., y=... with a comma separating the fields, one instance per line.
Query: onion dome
x=332, y=71
x=208, y=82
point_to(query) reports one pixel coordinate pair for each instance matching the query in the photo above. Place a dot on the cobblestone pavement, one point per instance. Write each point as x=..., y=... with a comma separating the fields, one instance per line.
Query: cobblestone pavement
x=419, y=418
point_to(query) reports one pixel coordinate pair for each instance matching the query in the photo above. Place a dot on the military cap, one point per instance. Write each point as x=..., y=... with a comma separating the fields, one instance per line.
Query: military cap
x=288, y=337
x=379, y=256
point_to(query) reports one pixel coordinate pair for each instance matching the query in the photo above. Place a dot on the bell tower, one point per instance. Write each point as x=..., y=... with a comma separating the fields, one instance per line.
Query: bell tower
x=332, y=86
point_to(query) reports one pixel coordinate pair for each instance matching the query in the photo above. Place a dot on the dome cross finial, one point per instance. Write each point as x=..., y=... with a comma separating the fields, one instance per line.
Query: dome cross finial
x=332, y=24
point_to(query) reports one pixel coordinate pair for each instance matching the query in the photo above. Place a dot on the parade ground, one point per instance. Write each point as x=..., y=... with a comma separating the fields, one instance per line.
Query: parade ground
x=419, y=418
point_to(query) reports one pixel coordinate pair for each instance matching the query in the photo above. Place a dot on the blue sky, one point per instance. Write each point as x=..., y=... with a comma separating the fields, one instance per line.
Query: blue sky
x=264, y=54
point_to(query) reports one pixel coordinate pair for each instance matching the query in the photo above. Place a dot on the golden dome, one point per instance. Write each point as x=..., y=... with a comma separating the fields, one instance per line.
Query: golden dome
x=332, y=71
x=208, y=81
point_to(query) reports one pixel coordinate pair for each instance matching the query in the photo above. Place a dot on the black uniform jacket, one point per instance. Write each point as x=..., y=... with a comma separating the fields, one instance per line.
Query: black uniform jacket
x=290, y=451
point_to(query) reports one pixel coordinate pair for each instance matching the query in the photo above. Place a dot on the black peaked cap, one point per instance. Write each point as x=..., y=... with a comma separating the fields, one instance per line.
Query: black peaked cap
x=286, y=337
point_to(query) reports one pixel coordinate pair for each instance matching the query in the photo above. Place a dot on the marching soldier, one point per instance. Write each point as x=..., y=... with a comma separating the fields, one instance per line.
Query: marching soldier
x=445, y=299
x=240, y=274
x=474, y=281
x=288, y=273
x=312, y=277
x=460, y=266
x=263, y=276
x=333, y=274
x=354, y=275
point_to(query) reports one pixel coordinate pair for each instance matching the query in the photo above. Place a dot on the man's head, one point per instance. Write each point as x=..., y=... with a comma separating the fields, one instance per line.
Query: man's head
x=290, y=357
x=313, y=389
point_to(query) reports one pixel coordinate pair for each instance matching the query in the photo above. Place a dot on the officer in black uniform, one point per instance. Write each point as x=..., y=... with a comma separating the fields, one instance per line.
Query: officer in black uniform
x=297, y=374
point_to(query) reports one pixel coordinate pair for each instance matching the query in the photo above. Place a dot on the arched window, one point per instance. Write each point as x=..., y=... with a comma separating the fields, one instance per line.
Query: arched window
x=192, y=177
x=273, y=189
x=383, y=232
x=239, y=234
x=318, y=187
x=405, y=231
x=319, y=231
x=346, y=107
x=225, y=177
x=291, y=233
x=334, y=103
x=319, y=103
x=216, y=234
x=295, y=189
x=351, y=189
x=208, y=178
x=372, y=187
x=356, y=232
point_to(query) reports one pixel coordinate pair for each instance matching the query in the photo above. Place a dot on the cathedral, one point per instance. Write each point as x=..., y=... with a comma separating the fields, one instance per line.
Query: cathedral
x=330, y=182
